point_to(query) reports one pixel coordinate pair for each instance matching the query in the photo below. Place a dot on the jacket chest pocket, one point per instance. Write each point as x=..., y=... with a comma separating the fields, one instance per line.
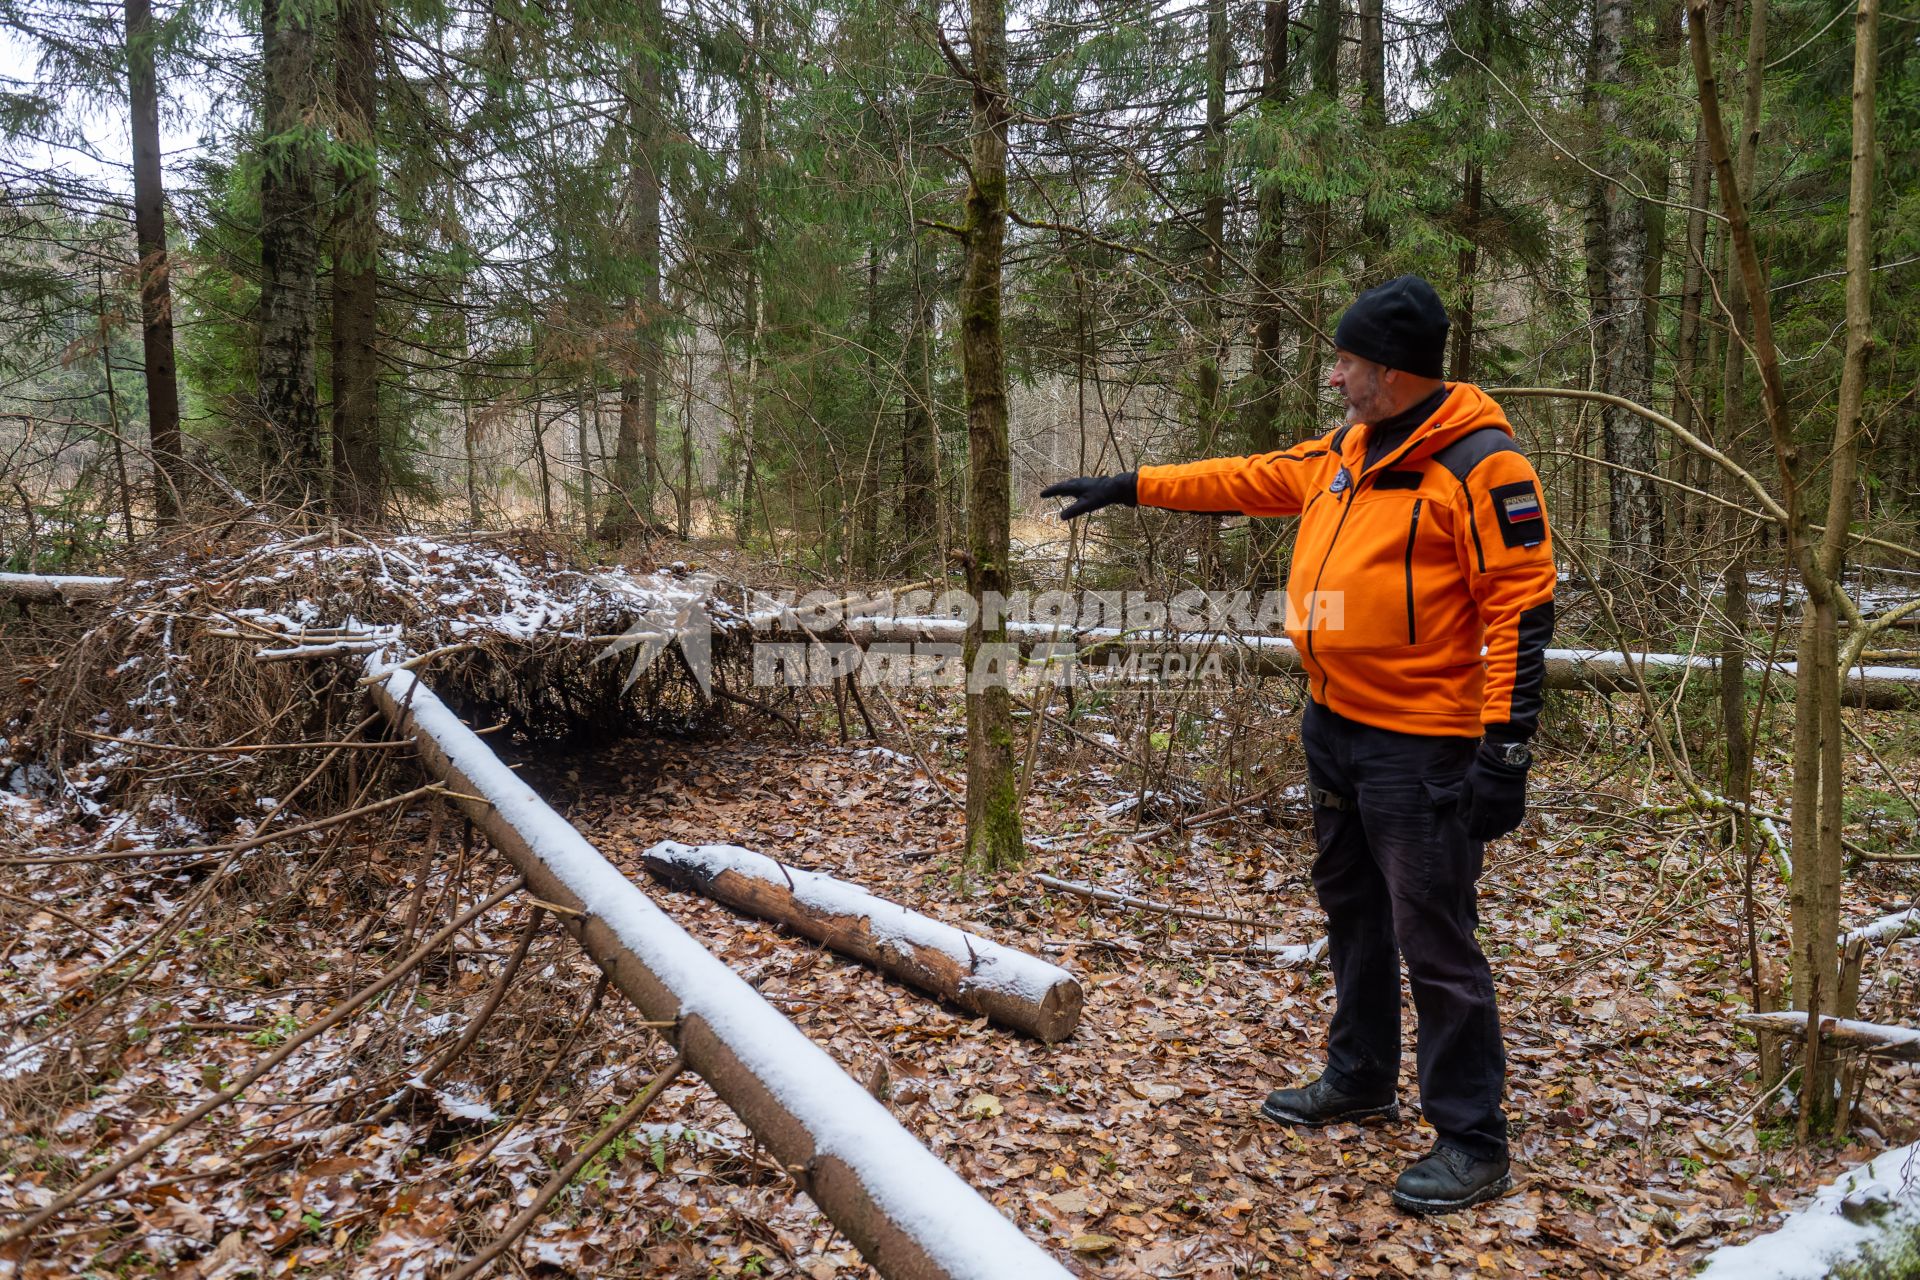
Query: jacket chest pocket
x=1366, y=591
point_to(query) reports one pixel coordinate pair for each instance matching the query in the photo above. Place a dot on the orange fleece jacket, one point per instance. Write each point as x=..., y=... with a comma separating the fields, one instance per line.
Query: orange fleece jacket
x=1403, y=572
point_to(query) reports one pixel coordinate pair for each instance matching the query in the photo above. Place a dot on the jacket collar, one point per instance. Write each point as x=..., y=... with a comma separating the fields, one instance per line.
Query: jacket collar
x=1466, y=409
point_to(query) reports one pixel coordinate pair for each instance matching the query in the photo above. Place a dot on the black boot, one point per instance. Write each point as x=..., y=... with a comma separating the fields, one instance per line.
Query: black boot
x=1324, y=1103
x=1451, y=1179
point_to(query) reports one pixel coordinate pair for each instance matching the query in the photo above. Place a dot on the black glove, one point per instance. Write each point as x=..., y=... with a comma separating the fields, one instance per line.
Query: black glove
x=1090, y=493
x=1493, y=795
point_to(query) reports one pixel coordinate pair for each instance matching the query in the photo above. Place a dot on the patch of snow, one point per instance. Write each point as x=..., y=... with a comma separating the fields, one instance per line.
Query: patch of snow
x=1864, y=1204
x=21, y=1058
x=886, y=754
x=458, y=1107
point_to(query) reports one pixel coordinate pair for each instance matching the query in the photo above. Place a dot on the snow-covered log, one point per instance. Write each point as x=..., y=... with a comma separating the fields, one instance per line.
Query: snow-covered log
x=55, y=588
x=1891, y=928
x=908, y=1214
x=1597, y=670
x=977, y=974
x=1868, y=1037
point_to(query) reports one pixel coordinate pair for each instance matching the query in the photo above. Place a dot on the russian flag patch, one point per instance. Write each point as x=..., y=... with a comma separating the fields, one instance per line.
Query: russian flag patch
x=1523, y=506
x=1523, y=522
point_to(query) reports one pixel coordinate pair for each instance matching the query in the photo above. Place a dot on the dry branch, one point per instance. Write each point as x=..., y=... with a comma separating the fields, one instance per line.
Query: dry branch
x=1011, y=987
x=905, y=1210
x=581, y=1159
x=236, y=846
x=1096, y=894
x=340, y=1013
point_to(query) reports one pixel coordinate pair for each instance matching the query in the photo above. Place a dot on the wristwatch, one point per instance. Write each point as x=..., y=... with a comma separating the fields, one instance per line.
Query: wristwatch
x=1514, y=754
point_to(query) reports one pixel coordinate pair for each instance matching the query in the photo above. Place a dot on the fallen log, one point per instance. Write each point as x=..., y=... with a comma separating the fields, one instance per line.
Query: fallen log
x=58, y=588
x=1011, y=987
x=1867, y=1037
x=1886, y=688
x=1886, y=929
x=1594, y=670
x=908, y=1214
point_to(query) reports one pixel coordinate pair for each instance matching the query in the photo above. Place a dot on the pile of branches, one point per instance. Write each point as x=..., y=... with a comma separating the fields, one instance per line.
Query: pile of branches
x=231, y=654
x=214, y=859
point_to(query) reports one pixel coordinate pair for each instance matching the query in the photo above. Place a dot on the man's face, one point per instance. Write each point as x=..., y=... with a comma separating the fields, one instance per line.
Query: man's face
x=1363, y=385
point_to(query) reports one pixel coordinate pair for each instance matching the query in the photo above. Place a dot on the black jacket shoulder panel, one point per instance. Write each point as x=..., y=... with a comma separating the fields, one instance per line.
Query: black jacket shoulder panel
x=1472, y=449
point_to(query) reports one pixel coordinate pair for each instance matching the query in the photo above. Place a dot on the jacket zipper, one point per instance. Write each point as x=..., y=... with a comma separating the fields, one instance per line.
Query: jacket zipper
x=1346, y=505
x=1413, y=529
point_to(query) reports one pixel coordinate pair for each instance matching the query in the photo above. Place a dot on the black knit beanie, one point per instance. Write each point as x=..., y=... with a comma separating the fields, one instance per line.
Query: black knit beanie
x=1399, y=324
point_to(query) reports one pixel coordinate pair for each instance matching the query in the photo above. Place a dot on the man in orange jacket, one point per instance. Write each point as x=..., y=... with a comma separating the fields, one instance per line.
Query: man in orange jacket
x=1421, y=602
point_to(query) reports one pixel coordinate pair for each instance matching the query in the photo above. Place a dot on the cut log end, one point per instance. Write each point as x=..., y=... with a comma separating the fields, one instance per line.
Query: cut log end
x=1059, y=1012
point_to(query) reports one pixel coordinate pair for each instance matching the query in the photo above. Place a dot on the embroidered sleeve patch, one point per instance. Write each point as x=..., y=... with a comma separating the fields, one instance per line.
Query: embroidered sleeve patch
x=1523, y=523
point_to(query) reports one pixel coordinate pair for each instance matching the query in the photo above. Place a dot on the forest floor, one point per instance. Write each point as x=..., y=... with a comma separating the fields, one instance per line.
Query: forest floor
x=1135, y=1147
x=1132, y=1149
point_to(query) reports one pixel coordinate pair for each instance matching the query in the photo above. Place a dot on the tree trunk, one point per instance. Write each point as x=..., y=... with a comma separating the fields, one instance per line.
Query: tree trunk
x=1264, y=388
x=919, y=435
x=867, y=500
x=540, y=460
x=356, y=259
x=683, y=500
x=1738, y=774
x=1211, y=327
x=1213, y=220
x=289, y=411
x=1818, y=752
x=753, y=143
x=984, y=978
x=636, y=452
x=1324, y=65
x=1815, y=904
x=1262, y=399
x=583, y=443
x=1375, y=235
x=993, y=798
x=156, y=289
x=906, y=1212
x=1471, y=183
x=1687, y=391
x=1634, y=508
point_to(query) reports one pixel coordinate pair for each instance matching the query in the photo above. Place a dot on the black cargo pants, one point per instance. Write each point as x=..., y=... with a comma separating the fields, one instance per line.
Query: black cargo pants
x=1396, y=874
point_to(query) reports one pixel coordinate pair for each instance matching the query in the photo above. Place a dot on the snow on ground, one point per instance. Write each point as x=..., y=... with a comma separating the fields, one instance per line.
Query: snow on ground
x=1876, y=1202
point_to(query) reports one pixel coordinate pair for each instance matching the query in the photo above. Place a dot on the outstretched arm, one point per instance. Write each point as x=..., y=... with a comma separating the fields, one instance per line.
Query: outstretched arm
x=1266, y=484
